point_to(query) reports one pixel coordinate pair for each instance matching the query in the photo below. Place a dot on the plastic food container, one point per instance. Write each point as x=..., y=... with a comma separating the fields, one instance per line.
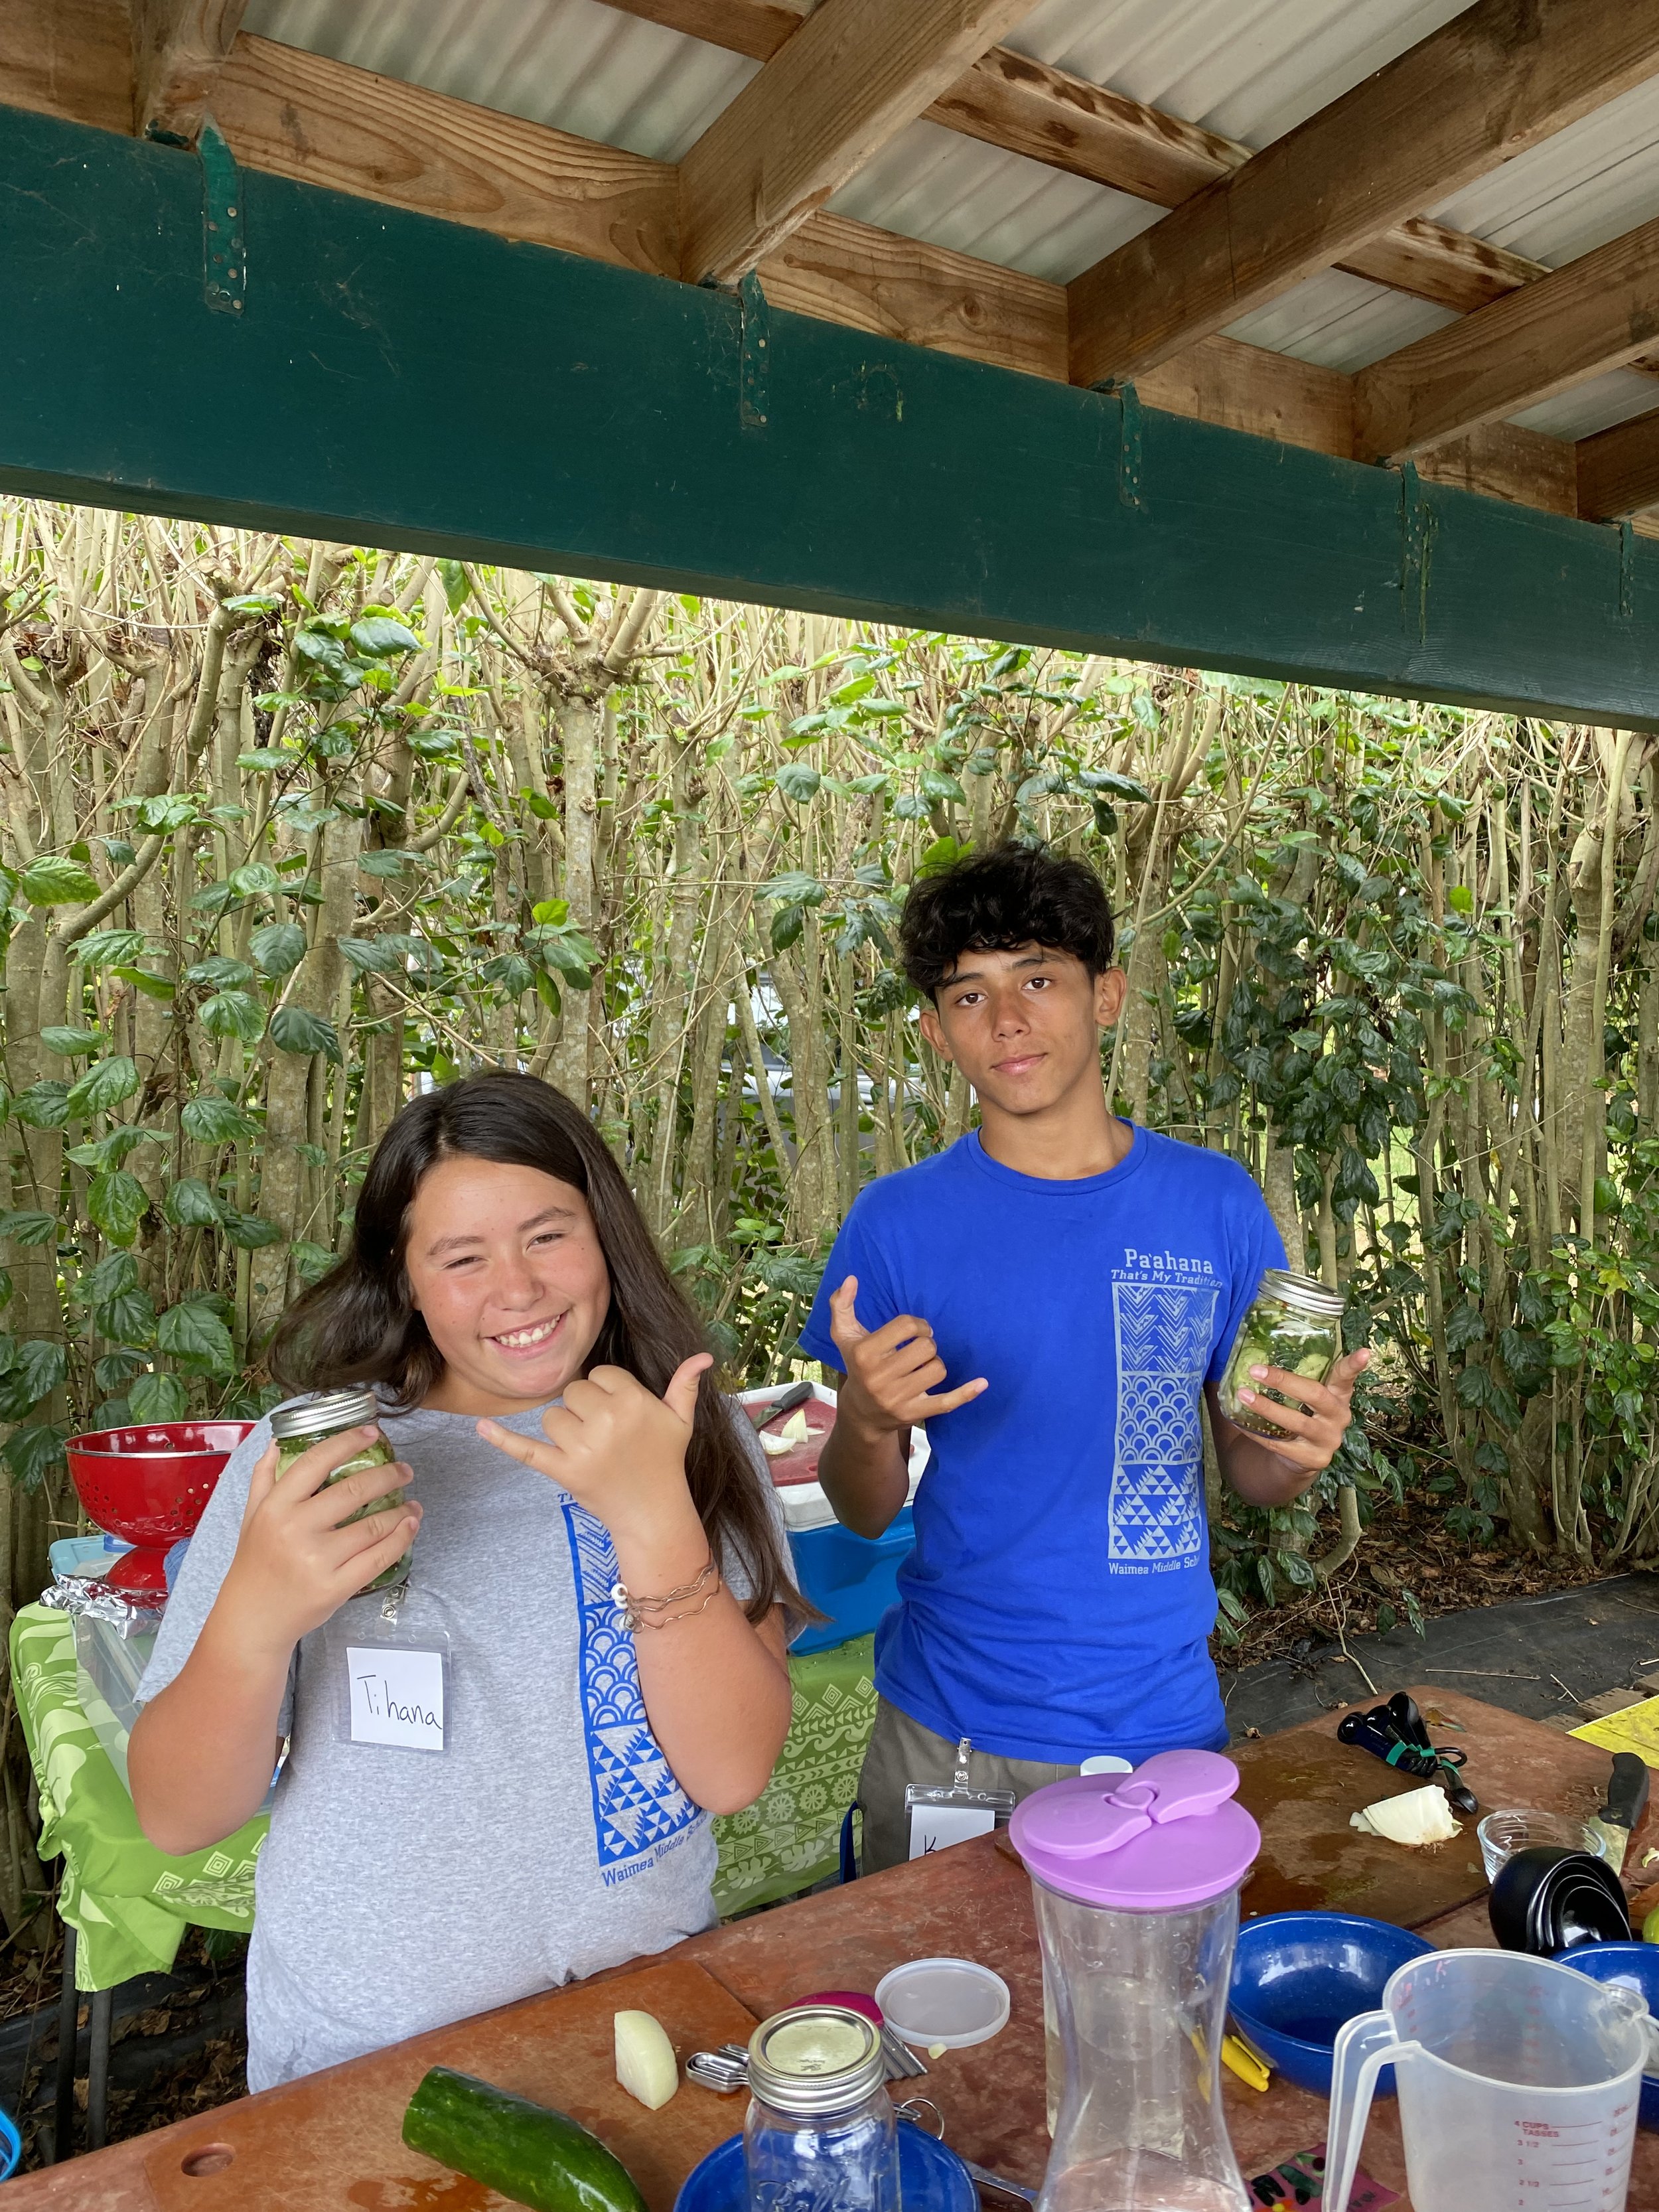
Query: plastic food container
x=852, y=1579
x=1294, y=1323
x=295, y=1429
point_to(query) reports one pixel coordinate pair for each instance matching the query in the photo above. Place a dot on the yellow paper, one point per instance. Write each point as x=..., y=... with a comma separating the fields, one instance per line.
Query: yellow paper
x=1636, y=1729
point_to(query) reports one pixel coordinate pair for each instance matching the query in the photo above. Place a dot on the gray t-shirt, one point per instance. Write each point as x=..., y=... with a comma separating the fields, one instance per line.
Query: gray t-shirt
x=402, y=1889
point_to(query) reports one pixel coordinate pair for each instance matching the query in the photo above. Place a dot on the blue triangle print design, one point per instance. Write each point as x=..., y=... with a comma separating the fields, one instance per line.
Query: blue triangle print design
x=636, y=1800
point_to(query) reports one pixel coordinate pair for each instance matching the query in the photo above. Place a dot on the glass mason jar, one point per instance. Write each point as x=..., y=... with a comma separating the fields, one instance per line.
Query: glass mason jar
x=820, y=2135
x=1295, y=1324
x=295, y=1429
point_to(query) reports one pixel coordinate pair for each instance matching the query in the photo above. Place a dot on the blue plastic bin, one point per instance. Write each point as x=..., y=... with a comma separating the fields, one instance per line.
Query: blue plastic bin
x=851, y=1578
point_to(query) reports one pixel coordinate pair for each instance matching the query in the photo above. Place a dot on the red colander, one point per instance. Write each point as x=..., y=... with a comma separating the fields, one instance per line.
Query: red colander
x=151, y=1485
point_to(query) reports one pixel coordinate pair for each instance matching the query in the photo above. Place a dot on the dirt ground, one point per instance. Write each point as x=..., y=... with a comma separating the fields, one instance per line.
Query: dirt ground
x=166, y=2064
x=1405, y=1553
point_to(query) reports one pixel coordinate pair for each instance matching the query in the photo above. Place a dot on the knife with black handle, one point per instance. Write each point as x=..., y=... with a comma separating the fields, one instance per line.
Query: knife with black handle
x=1626, y=1802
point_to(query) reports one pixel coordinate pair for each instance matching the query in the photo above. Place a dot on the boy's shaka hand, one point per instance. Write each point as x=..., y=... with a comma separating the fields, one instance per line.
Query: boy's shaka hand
x=893, y=1373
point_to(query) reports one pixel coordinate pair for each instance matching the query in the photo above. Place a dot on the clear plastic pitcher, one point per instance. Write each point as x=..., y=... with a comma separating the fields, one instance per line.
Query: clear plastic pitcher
x=1135, y=1879
x=1514, y=2088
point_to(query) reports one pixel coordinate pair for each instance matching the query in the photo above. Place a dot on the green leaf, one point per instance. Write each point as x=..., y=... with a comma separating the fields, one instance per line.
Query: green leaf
x=37, y=1368
x=452, y=576
x=219, y=973
x=569, y=951
x=554, y=912
x=311, y=1261
x=257, y=877
x=105, y=948
x=43, y=1105
x=29, y=1228
x=104, y=1085
x=376, y=636
x=795, y=888
x=70, y=1043
x=127, y=1318
x=191, y=1205
x=372, y=956
x=278, y=948
x=110, y=1150
x=114, y=1370
x=116, y=1203
x=170, y=810
x=233, y=1013
x=391, y=862
x=117, y=1272
x=153, y=987
x=249, y=1231
x=158, y=1397
x=53, y=879
x=214, y=1121
x=937, y=786
x=32, y=1453
x=296, y=1029
x=193, y=1334
x=798, y=781
x=788, y=924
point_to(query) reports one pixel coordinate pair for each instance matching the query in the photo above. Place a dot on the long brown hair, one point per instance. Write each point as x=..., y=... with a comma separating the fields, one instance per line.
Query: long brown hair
x=359, y=1324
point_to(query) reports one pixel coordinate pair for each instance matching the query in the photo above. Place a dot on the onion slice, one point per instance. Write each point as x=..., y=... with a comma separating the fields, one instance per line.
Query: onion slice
x=646, y=2065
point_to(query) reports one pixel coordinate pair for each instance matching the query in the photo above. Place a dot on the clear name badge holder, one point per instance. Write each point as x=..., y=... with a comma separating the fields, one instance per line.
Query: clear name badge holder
x=391, y=1665
x=939, y=1816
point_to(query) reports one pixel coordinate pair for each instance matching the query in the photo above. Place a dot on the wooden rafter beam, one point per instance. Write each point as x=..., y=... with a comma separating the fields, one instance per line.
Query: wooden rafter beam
x=179, y=48
x=853, y=75
x=1618, y=469
x=1598, y=313
x=1023, y=105
x=1492, y=82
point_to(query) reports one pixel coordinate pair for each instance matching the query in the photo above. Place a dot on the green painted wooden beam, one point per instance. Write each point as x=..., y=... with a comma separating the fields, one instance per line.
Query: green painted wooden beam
x=399, y=381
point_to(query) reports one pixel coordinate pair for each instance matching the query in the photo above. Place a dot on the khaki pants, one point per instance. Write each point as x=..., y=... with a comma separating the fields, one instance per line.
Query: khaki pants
x=902, y=1751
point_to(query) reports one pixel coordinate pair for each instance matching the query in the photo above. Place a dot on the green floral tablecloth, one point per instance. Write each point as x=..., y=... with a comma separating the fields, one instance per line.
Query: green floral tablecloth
x=790, y=1837
x=130, y=1903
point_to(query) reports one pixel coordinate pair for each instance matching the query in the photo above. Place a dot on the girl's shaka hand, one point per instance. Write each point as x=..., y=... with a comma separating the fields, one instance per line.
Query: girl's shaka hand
x=294, y=1565
x=615, y=1446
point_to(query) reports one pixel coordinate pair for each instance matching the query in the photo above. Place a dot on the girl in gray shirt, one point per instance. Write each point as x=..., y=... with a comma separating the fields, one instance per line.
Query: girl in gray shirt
x=500, y=1776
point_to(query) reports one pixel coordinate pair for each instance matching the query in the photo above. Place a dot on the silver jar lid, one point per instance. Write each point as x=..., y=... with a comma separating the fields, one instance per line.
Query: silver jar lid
x=327, y=1415
x=814, y=2059
x=1302, y=1293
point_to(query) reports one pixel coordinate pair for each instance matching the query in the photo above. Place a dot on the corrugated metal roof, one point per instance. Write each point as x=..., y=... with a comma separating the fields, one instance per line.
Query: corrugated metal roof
x=1249, y=68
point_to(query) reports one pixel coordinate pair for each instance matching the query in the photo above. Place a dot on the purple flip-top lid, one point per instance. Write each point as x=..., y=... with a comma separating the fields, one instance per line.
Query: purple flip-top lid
x=1167, y=1836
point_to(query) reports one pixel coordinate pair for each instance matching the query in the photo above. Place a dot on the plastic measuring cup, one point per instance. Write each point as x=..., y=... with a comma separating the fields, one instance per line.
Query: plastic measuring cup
x=1514, y=2090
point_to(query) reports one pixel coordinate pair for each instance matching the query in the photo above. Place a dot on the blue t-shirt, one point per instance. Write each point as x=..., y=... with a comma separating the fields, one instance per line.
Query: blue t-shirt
x=1059, y=1598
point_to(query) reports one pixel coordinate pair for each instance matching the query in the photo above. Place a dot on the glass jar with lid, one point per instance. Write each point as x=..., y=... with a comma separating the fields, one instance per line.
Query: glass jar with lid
x=820, y=2131
x=295, y=1429
x=1294, y=1323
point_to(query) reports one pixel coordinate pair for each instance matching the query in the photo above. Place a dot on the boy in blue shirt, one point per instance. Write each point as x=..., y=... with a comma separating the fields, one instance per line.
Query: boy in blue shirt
x=1050, y=1296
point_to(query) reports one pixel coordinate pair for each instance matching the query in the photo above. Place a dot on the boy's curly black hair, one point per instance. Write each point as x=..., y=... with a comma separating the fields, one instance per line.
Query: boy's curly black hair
x=992, y=902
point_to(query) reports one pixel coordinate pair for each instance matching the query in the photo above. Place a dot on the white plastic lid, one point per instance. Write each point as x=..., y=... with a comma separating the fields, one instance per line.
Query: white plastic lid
x=951, y=2002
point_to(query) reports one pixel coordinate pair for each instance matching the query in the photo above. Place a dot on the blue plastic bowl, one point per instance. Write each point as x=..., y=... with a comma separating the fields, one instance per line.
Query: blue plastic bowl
x=931, y=2178
x=1299, y=1976
x=1632, y=1967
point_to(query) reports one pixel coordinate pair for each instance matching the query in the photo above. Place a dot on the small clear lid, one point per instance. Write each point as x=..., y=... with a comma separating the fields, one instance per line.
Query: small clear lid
x=814, y=2059
x=1302, y=1293
x=324, y=1416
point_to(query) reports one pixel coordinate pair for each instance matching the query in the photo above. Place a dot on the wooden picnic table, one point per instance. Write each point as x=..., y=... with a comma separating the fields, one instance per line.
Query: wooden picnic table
x=330, y=2141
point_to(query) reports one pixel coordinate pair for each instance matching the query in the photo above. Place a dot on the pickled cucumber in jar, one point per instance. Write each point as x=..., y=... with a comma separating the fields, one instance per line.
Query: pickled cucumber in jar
x=1294, y=1323
x=295, y=1429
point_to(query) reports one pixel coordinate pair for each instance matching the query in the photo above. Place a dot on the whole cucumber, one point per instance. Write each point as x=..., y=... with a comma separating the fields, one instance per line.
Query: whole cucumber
x=524, y=2151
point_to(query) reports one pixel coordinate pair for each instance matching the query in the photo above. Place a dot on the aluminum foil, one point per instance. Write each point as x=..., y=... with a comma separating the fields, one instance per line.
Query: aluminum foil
x=96, y=1600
